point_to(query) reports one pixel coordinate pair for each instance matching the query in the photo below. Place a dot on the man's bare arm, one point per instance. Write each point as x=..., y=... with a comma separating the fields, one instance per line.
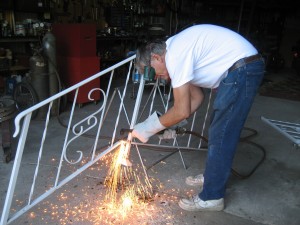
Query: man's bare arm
x=197, y=97
x=187, y=99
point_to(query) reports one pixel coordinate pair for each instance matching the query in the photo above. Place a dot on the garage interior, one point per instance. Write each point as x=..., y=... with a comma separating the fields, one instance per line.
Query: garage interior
x=89, y=36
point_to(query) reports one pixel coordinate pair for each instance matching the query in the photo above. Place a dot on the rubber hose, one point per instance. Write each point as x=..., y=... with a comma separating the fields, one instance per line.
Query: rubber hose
x=242, y=140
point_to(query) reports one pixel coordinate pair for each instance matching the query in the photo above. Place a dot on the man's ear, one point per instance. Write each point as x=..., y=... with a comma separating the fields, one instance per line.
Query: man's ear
x=157, y=57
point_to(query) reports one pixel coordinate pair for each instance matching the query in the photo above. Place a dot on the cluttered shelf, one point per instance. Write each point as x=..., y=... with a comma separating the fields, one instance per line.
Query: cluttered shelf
x=18, y=39
x=15, y=52
x=115, y=38
x=114, y=48
x=17, y=68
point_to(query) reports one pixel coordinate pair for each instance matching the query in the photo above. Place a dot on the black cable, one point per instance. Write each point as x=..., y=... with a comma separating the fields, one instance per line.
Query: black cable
x=244, y=176
x=242, y=140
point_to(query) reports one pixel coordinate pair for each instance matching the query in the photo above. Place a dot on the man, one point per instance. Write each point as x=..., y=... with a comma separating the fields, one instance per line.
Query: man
x=205, y=56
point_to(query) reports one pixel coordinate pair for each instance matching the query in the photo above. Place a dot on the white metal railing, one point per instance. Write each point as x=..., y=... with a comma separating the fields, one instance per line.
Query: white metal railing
x=287, y=129
x=128, y=111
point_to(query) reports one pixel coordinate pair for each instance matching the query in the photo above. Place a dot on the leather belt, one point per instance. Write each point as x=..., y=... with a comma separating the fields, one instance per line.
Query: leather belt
x=244, y=61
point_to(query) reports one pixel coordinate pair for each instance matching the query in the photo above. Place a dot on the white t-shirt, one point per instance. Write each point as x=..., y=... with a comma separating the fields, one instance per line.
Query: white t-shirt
x=202, y=54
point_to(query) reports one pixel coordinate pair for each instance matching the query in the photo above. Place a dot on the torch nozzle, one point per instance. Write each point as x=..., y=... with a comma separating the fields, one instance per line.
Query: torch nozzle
x=125, y=154
x=124, y=130
x=126, y=162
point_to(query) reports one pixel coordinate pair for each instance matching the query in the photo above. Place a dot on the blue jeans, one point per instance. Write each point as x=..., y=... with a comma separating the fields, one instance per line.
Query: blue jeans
x=232, y=104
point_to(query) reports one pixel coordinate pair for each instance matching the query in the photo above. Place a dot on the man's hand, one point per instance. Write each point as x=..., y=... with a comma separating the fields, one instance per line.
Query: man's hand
x=171, y=132
x=143, y=131
x=167, y=134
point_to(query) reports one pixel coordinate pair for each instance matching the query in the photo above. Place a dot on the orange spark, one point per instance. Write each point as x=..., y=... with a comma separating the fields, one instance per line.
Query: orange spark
x=123, y=178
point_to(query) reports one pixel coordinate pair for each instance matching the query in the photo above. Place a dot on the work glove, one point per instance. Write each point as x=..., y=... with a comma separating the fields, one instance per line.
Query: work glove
x=143, y=131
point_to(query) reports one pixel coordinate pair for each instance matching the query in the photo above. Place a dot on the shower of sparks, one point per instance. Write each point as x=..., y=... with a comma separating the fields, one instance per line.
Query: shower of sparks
x=123, y=196
x=126, y=188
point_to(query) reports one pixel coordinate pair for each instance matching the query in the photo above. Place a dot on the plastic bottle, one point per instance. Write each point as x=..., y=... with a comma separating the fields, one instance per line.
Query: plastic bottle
x=136, y=77
x=10, y=85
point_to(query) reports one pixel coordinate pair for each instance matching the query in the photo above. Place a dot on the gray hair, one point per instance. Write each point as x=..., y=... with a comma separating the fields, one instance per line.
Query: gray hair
x=143, y=54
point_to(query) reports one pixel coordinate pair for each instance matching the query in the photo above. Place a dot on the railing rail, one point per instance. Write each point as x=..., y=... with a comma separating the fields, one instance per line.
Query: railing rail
x=96, y=121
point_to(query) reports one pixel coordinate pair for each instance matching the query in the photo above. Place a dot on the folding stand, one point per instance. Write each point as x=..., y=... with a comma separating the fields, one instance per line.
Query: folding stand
x=289, y=130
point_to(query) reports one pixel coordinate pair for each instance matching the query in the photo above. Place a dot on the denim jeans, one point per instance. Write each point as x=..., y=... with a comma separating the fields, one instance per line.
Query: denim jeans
x=231, y=106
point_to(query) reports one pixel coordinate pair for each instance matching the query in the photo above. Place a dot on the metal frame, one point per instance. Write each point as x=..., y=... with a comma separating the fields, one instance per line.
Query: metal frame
x=75, y=129
x=287, y=129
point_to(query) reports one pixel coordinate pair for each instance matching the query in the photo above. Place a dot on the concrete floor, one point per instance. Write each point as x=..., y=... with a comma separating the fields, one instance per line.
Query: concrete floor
x=269, y=196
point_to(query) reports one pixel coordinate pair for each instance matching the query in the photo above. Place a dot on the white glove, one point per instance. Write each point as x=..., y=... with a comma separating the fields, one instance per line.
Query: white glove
x=143, y=131
x=168, y=134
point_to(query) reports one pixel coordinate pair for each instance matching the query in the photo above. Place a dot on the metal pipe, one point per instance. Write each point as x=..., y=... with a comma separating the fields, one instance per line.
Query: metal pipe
x=241, y=15
x=15, y=170
x=126, y=161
